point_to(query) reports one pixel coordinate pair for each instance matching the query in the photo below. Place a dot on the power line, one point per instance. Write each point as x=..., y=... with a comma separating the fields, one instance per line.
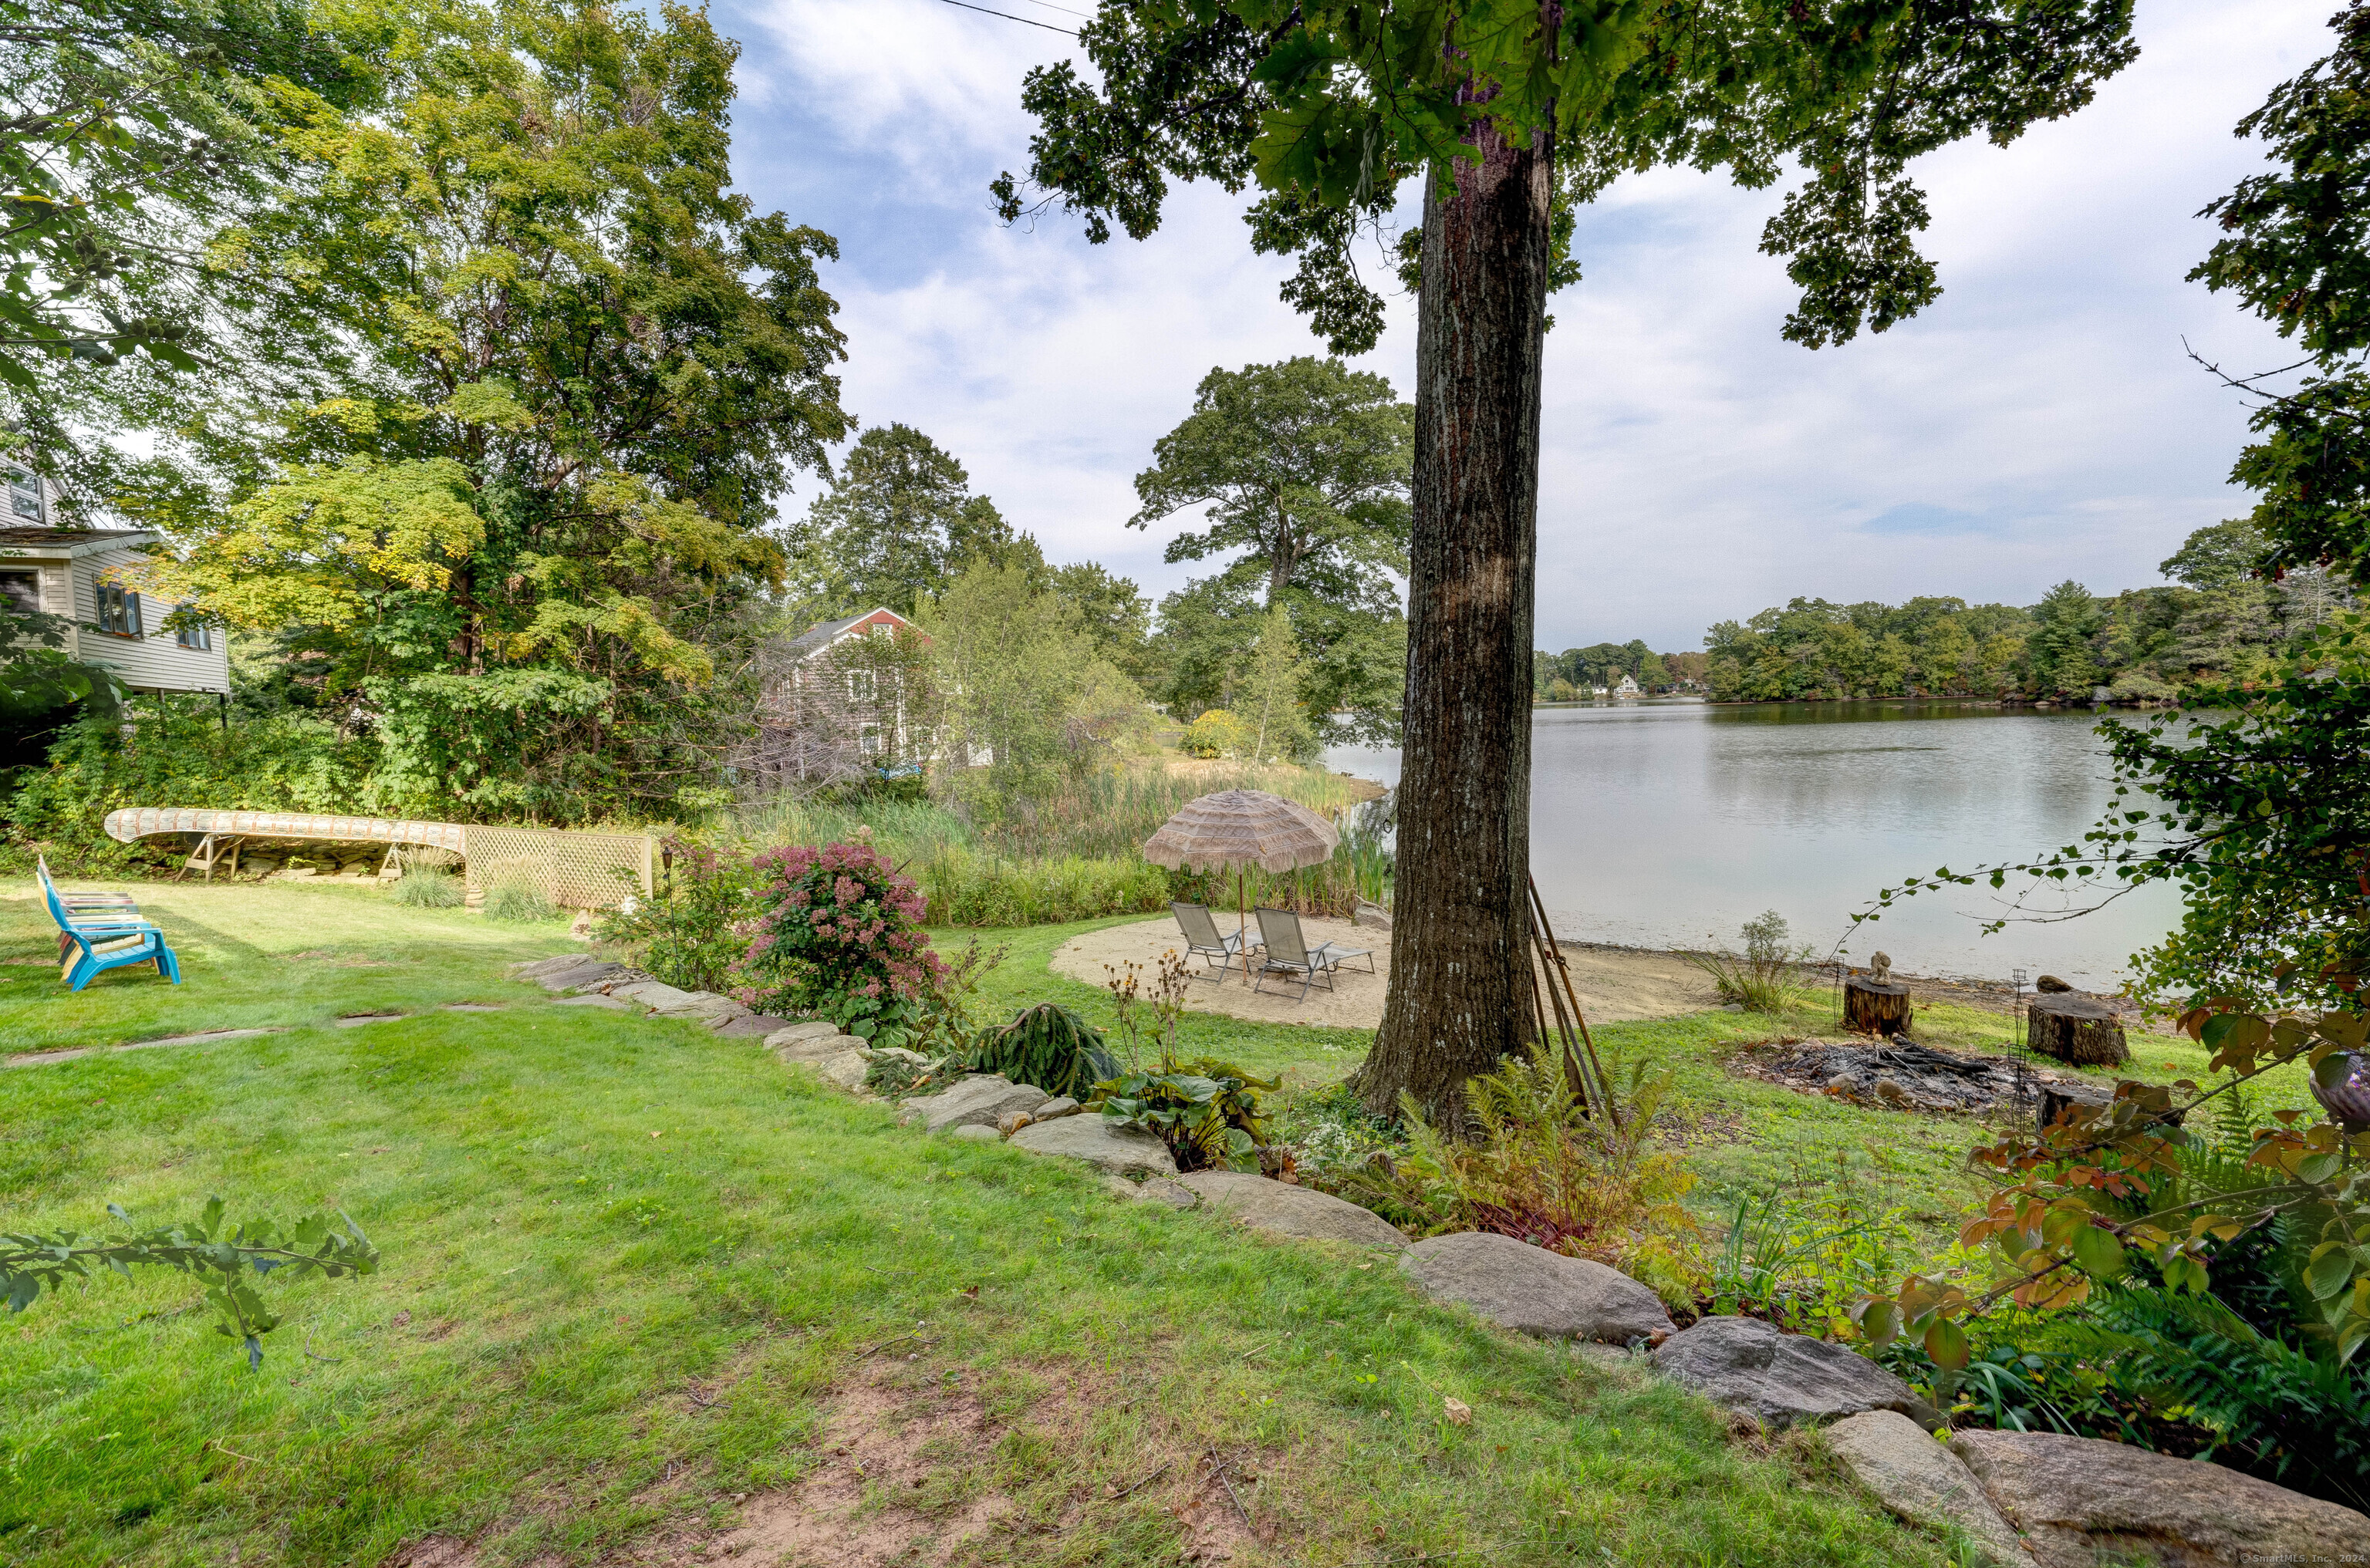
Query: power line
x=1024, y=21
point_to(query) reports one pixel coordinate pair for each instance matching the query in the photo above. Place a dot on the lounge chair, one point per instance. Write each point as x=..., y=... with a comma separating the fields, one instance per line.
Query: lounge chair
x=1288, y=953
x=81, y=906
x=1204, y=940
x=93, y=939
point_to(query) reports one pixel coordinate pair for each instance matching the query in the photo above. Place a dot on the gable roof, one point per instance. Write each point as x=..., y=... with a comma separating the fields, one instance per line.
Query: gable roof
x=823, y=634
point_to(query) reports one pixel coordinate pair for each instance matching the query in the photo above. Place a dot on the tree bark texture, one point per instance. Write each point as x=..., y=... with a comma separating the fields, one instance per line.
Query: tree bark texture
x=2077, y=1029
x=1460, y=997
x=1876, y=1007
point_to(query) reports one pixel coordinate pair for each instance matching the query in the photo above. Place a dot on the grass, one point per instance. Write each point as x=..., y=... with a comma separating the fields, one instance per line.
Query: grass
x=640, y=1279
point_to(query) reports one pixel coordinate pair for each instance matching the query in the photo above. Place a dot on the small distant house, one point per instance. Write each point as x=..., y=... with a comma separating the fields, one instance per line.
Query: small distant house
x=91, y=577
x=1628, y=688
x=842, y=699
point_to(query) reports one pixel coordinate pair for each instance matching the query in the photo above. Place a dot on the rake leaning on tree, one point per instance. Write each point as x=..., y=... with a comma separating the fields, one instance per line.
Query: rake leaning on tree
x=1516, y=113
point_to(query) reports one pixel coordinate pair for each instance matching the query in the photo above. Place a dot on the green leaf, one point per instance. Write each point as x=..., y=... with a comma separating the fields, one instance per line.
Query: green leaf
x=1945, y=1341
x=2330, y=1270
x=2097, y=1251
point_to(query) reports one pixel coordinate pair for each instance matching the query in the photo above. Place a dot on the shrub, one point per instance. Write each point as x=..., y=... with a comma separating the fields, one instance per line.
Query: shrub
x=1760, y=975
x=692, y=935
x=514, y=890
x=284, y=763
x=1049, y=1047
x=1539, y=1168
x=427, y=882
x=839, y=935
x=1216, y=733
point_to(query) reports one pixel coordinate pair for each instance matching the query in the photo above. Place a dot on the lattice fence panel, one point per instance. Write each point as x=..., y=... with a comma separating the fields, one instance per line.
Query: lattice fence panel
x=573, y=869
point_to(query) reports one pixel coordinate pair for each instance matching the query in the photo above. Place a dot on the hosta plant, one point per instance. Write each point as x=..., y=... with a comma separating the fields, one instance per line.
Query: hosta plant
x=1206, y=1111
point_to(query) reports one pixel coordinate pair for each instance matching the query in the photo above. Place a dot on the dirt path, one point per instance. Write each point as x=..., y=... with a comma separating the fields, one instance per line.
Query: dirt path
x=1615, y=983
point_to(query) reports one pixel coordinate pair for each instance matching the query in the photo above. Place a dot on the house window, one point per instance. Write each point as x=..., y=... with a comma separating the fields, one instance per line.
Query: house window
x=859, y=685
x=23, y=592
x=24, y=495
x=197, y=636
x=867, y=740
x=119, y=610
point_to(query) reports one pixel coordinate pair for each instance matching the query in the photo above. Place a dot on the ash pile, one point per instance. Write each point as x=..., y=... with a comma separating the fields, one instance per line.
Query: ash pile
x=1898, y=1074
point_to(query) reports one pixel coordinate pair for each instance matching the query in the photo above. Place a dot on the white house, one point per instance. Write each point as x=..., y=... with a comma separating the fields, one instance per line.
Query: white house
x=90, y=577
x=1628, y=687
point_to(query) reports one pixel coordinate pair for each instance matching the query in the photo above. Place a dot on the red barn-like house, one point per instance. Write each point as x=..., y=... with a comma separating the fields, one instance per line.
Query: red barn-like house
x=843, y=699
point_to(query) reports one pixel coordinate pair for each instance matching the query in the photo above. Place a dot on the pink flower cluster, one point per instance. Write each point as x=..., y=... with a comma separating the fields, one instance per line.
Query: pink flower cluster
x=847, y=913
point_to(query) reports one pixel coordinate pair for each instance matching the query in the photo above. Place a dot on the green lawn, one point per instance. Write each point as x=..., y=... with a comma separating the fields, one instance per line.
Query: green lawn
x=642, y=1284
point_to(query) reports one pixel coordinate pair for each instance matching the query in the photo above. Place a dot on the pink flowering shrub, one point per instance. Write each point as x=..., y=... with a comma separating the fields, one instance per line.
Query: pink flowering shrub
x=838, y=934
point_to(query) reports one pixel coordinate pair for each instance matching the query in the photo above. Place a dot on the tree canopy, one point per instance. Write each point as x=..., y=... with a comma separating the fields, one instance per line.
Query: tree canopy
x=124, y=125
x=899, y=522
x=508, y=514
x=1330, y=108
x=2296, y=252
x=1302, y=469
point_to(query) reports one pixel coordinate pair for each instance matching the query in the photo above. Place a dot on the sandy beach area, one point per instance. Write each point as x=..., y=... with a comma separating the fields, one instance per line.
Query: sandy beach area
x=1613, y=983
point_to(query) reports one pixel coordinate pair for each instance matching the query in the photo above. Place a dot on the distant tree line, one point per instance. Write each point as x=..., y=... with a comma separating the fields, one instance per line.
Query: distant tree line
x=2215, y=621
x=1580, y=672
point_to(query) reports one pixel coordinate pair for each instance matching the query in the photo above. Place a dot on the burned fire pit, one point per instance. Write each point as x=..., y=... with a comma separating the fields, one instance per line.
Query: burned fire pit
x=1897, y=1074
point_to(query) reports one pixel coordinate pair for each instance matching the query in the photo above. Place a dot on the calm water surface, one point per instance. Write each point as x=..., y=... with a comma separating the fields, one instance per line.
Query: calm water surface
x=1656, y=824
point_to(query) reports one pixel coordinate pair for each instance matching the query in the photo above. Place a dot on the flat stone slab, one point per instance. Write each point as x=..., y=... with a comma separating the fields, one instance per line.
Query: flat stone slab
x=1923, y=1481
x=1284, y=1209
x=703, y=1005
x=791, y=1034
x=537, y=969
x=468, y=1007
x=1154, y=1189
x=976, y=1101
x=594, y=999
x=656, y=995
x=840, y=1069
x=746, y=1026
x=1783, y=1379
x=75, y=1053
x=1533, y=1291
x=813, y=1048
x=1107, y=1147
x=2079, y=1501
x=356, y=1020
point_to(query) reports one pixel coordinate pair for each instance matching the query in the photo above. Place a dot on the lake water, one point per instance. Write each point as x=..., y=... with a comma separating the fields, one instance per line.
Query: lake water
x=1660, y=824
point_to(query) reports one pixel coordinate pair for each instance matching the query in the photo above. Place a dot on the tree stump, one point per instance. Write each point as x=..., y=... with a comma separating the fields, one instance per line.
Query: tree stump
x=2079, y=1030
x=1876, y=1007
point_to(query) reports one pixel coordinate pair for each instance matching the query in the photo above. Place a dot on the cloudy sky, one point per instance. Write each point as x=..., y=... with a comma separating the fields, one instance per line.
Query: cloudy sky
x=2038, y=422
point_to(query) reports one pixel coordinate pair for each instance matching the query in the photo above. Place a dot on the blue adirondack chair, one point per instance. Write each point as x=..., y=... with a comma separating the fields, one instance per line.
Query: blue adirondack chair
x=95, y=936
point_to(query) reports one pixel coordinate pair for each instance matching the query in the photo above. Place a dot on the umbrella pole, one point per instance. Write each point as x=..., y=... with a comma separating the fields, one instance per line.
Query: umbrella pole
x=1242, y=925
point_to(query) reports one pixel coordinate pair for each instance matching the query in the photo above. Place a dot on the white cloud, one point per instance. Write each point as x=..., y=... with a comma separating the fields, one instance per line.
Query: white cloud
x=1695, y=467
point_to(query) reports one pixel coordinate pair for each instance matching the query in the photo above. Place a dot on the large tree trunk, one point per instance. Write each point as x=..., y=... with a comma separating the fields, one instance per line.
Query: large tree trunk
x=1460, y=975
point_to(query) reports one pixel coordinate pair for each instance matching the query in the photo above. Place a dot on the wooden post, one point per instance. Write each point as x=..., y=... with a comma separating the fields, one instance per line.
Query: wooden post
x=1876, y=1007
x=2080, y=1030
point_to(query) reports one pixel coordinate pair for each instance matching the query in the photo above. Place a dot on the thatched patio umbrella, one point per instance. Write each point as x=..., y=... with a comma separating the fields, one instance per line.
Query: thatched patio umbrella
x=1240, y=828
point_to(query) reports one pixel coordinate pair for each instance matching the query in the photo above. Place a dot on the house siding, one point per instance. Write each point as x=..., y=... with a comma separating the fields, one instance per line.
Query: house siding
x=152, y=661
